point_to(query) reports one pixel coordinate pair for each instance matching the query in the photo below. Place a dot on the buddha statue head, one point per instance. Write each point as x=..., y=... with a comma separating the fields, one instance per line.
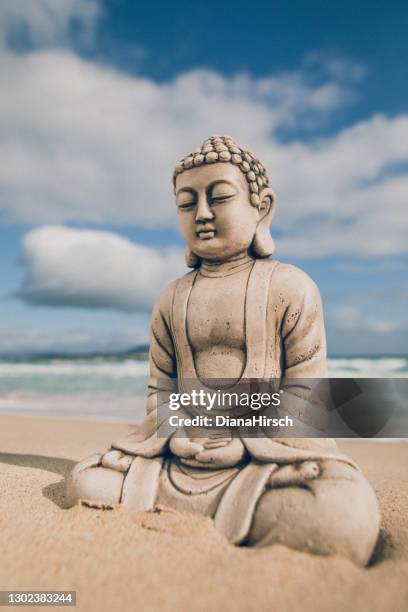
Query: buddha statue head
x=224, y=202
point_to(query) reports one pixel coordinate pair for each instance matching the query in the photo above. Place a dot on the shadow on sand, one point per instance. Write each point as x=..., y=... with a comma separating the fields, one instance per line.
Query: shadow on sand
x=54, y=492
x=384, y=549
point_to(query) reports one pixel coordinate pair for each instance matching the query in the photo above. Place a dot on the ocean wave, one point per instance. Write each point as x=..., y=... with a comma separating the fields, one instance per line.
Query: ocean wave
x=339, y=367
x=366, y=367
x=110, y=389
x=122, y=369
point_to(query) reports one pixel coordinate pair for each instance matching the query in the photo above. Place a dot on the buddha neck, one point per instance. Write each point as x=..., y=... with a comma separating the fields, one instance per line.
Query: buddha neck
x=219, y=269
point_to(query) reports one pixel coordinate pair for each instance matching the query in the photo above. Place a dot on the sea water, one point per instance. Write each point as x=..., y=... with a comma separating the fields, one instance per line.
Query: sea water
x=115, y=389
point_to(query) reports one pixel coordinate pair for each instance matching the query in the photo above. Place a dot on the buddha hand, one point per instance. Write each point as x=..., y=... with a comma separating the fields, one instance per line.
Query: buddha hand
x=294, y=474
x=227, y=454
x=184, y=447
x=213, y=451
x=116, y=460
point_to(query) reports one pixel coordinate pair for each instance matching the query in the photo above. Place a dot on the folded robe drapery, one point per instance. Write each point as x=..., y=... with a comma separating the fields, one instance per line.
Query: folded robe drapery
x=285, y=340
x=275, y=349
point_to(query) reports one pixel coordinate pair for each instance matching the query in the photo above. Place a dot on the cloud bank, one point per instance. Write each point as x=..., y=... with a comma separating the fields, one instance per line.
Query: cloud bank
x=93, y=269
x=88, y=143
x=45, y=23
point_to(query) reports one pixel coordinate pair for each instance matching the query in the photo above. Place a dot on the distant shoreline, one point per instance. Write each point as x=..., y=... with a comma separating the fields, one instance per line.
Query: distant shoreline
x=139, y=354
x=142, y=353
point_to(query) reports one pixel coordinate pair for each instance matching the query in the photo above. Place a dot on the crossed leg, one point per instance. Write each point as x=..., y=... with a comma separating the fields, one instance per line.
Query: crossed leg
x=335, y=513
x=94, y=484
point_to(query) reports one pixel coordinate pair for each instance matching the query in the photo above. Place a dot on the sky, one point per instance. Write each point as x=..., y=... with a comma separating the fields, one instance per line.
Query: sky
x=100, y=98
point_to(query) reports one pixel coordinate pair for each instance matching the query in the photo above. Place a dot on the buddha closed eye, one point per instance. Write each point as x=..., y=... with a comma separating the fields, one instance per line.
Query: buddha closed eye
x=222, y=192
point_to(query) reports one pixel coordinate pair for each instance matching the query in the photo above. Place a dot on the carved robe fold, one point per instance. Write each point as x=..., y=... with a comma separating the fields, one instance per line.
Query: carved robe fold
x=285, y=340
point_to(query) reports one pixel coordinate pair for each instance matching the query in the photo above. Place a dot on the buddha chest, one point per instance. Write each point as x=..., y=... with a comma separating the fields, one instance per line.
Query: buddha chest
x=216, y=325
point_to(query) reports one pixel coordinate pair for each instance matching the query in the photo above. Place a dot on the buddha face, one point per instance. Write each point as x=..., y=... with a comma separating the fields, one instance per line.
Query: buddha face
x=216, y=217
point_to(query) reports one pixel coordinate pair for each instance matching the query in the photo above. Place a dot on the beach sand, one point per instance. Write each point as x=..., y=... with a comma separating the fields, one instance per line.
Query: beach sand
x=168, y=561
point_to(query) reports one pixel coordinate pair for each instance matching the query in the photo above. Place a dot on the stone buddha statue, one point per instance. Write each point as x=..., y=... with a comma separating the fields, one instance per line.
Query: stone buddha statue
x=239, y=314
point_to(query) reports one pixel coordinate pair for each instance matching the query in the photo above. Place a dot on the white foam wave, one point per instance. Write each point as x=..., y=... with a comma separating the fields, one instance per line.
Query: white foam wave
x=121, y=369
x=343, y=367
x=386, y=367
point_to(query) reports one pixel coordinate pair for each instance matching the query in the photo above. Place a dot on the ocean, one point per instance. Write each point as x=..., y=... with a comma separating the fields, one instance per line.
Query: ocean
x=114, y=389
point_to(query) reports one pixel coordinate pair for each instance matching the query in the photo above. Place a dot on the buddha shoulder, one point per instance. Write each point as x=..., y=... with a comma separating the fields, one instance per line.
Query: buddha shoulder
x=164, y=301
x=291, y=288
x=162, y=305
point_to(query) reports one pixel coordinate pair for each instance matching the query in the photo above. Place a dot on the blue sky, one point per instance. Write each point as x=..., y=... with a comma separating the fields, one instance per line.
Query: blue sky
x=100, y=99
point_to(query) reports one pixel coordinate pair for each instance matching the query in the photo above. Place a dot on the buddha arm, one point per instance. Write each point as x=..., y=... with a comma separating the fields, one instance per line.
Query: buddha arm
x=143, y=440
x=296, y=308
x=162, y=357
x=302, y=327
x=303, y=350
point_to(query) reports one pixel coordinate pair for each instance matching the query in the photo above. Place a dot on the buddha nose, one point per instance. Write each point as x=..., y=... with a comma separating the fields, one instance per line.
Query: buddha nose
x=204, y=212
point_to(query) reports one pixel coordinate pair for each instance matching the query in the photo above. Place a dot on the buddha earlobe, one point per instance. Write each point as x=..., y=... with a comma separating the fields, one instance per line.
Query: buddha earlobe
x=263, y=244
x=192, y=260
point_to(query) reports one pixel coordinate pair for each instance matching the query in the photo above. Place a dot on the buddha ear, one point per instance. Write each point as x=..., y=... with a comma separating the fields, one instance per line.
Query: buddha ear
x=192, y=260
x=262, y=244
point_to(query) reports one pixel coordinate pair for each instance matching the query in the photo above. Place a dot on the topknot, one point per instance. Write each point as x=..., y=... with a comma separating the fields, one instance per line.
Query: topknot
x=224, y=149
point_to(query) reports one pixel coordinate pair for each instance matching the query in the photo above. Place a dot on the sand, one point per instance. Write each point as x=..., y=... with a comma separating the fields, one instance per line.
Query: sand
x=168, y=561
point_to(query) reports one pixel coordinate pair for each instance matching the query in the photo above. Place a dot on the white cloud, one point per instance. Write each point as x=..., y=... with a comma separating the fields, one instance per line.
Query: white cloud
x=353, y=318
x=37, y=23
x=350, y=204
x=85, y=142
x=93, y=269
